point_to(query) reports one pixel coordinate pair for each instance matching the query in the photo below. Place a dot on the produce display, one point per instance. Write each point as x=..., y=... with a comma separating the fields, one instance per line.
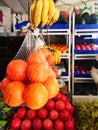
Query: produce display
x=86, y=18
x=30, y=90
x=43, y=12
x=63, y=48
x=87, y=115
x=83, y=69
x=85, y=89
x=57, y=114
x=86, y=46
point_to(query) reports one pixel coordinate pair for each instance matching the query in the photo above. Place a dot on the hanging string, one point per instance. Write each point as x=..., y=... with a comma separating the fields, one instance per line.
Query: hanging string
x=84, y=2
x=76, y=3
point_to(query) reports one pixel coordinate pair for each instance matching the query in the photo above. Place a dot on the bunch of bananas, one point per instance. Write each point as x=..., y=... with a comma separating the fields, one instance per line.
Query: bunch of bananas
x=43, y=12
x=56, y=54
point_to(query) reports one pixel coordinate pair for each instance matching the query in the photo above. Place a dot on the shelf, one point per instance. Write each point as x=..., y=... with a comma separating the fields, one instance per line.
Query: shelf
x=84, y=56
x=65, y=78
x=80, y=32
x=82, y=84
x=84, y=29
x=65, y=56
x=56, y=31
x=81, y=98
x=86, y=52
x=82, y=79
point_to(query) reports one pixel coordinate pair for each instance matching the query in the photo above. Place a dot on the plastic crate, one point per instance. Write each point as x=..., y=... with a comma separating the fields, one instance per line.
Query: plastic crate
x=86, y=39
x=57, y=25
x=86, y=51
x=86, y=26
x=64, y=73
x=21, y=24
x=82, y=75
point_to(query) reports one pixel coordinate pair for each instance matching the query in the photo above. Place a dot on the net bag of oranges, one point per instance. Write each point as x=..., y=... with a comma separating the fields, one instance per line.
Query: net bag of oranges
x=30, y=78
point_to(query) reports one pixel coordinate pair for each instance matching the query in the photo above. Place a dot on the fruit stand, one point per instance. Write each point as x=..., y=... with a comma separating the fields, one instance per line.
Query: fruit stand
x=31, y=97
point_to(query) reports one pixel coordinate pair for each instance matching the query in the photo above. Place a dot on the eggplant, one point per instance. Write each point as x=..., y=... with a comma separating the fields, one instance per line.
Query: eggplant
x=86, y=17
x=94, y=18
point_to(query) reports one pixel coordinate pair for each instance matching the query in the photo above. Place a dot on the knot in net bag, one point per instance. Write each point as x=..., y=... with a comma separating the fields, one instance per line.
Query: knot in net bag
x=32, y=41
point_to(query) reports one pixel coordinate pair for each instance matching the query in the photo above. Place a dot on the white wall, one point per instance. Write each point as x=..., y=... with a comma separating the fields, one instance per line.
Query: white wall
x=7, y=20
x=69, y=7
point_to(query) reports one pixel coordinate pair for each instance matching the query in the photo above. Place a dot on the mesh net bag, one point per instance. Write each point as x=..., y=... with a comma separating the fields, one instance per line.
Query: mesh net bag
x=32, y=41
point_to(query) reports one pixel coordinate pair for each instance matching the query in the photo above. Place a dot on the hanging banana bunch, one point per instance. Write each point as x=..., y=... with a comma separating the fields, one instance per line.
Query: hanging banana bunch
x=32, y=13
x=43, y=12
x=55, y=17
x=38, y=12
x=51, y=11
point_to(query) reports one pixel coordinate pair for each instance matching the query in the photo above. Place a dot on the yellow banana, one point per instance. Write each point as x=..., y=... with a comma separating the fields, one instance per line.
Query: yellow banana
x=52, y=51
x=55, y=16
x=44, y=15
x=37, y=12
x=59, y=57
x=51, y=11
x=56, y=57
x=32, y=13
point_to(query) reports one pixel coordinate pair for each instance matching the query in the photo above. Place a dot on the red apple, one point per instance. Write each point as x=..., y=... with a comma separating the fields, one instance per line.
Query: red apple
x=64, y=98
x=37, y=124
x=31, y=114
x=47, y=124
x=42, y=113
x=72, y=111
x=58, y=96
x=15, y=115
x=88, y=47
x=78, y=71
x=83, y=47
x=65, y=115
x=21, y=113
x=78, y=47
x=16, y=123
x=50, y=104
x=53, y=114
x=76, y=11
x=26, y=124
x=68, y=105
x=92, y=45
x=59, y=125
x=82, y=71
x=59, y=105
x=65, y=15
x=70, y=125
